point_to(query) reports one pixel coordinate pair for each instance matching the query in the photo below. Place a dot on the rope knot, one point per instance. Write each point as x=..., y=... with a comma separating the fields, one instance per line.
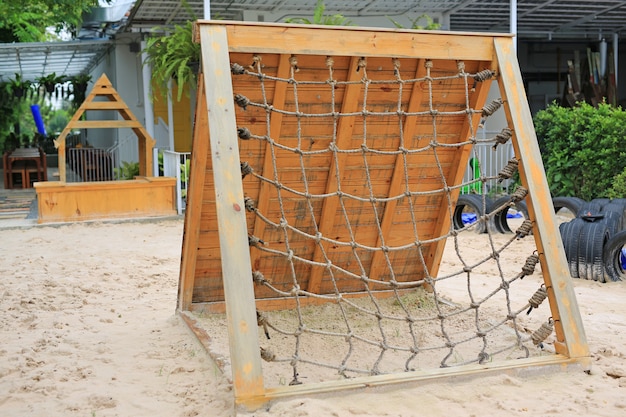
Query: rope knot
x=542, y=333
x=237, y=69
x=508, y=171
x=502, y=137
x=537, y=298
x=529, y=266
x=244, y=133
x=519, y=194
x=249, y=204
x=267, y=355
x=483, y=75
x=242, y=101
x=255, y=241
x=259, y=278
x=245, y=169
x=525, y=229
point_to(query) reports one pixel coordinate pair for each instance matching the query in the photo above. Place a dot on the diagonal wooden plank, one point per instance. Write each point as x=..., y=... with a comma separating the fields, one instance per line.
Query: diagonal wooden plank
x=477, y=99
x=278, y=101
x=571, y=338
x=378, y=264
x=195, y=192
x=231, y=216
x=345, y=126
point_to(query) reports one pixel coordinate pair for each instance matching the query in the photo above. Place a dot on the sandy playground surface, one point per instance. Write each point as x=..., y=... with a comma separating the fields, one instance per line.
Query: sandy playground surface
x=88, y=328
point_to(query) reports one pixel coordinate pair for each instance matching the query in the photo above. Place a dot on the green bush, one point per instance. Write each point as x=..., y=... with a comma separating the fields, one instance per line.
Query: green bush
x=583, y=148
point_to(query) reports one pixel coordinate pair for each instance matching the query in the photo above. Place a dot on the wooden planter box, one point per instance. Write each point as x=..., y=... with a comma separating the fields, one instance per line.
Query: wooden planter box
x=141, y=197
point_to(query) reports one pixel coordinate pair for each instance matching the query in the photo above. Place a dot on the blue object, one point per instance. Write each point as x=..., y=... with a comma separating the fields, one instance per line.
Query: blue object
x=468, y=218
x=623, y=258
x=34, y=109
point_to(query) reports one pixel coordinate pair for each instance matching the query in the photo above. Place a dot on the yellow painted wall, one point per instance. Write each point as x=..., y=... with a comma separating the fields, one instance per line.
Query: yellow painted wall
x=183, y=116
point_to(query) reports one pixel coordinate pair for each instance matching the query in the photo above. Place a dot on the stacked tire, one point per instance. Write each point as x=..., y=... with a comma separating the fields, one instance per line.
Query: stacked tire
x=471, y=208
x=594, y=240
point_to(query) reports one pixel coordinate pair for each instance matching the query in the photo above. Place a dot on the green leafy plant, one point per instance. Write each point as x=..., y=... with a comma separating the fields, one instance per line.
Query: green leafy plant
x=184, y=176
x=415, y=23
x=583, y=148
x=79, y=88
x=173, y=56
x=319, y=18
x=18, y=87
x=50, y=82
x=618, y=190
x=128, y=170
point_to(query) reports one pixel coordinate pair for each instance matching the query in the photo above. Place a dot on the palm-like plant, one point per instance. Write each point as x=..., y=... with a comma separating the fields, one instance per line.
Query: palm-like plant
x=430, y=23
x=173, y=56
x=320, y=19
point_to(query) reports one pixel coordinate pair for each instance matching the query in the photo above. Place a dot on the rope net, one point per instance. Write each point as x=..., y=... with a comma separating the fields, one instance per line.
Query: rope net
x=346, y=232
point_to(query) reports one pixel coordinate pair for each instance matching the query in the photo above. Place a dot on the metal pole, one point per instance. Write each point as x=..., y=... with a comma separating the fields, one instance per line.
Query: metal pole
x=207, y=9
x=513, y=22
x=615, y=57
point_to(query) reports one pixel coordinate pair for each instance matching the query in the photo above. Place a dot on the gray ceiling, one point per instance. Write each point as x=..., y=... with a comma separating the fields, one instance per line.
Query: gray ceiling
x=536, y=19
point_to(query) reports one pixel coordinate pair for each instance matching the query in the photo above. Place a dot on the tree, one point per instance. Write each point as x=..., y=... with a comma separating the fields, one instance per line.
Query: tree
x=30, y=21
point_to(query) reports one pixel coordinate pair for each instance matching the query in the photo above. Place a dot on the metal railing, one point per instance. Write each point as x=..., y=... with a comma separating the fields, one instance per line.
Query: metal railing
x=487, y=162
x=85, y=163
x=176, y=164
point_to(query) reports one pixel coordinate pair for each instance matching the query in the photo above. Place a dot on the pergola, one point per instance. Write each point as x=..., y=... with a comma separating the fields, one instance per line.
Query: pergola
x=529, y=19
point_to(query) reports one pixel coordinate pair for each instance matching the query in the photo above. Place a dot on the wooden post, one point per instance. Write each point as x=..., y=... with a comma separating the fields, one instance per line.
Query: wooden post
x=231, y=217
x=568, y=325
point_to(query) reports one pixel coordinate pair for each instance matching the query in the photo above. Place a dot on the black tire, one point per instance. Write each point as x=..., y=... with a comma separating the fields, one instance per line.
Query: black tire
x=571, y=204
x=570, y=231
x=589, y=211
x=593, y=237
x=500, y=219
x=601, y=201
x=472, y=203
x=612, y=255
x=616, y=211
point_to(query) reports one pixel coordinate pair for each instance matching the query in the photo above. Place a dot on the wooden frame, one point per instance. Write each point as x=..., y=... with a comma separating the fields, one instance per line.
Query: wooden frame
x=104, y=89
x=143, y=196
x=215, y=245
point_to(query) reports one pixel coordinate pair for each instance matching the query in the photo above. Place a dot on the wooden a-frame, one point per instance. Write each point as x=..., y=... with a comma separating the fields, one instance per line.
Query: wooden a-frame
x=104, y=89
x=217, y=261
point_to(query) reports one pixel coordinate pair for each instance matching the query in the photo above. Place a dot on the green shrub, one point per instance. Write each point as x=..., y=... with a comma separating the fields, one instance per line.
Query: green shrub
x=583, y=148
x=619, y=186
x=128, y=170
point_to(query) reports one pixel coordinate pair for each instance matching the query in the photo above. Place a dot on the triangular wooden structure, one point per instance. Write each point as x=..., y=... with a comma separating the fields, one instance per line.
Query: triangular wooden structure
x=112, y=101
x=218, y=258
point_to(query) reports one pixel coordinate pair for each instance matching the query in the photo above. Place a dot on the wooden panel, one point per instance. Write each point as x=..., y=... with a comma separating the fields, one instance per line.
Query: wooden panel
x=293, y=127
x=142, y=197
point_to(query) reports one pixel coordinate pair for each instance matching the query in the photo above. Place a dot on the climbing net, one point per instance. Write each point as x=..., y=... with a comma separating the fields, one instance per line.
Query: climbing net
x=409, y=313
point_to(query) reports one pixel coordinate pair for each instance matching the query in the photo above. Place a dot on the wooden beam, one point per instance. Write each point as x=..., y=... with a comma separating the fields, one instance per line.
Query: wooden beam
x=378, y=264
x=362, y=42
x=276, y=119
x=106, y=124
x=477, y=99
x=195, y=193
x=231, y=216
x=345, y=126
x=571, y=338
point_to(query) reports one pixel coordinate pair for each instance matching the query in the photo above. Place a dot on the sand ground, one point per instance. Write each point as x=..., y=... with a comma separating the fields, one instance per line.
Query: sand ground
x=88, y=328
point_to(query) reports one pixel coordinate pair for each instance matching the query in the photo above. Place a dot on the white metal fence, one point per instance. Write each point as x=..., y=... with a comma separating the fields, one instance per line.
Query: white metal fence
x=487, y=162
x=100, y=164
x=175, y=164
